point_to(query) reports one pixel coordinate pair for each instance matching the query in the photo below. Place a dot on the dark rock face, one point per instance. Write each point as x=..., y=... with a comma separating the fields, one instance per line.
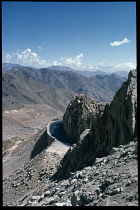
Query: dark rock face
x=80, y=115
x=117, y=125
x=77, y=157
x=118, y=122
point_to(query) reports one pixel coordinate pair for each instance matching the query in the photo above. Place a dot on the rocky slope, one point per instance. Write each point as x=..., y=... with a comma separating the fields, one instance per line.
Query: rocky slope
x=111, y=181
x=79, y=115
x=116, y=126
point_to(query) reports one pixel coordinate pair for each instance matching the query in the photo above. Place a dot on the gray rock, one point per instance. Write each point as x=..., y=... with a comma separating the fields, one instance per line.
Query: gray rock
x=85, y=180
x=109, y=181
x=68, y=203
x=80, y=114
x=136, y=149
x=73, y=181
x=32, y=203
x=75, y=198
x=47, y=193
x=59, y=204
x=61, y=193
x=118, y=121
x=50, y=200
x=115, y=191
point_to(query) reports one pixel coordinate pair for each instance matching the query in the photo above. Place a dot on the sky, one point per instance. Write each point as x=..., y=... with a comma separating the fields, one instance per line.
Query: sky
x=81, y=35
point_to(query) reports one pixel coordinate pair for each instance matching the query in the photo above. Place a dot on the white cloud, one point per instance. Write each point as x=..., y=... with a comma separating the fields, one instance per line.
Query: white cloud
x=24, y=55
x=74, y=61
x=8, y=57
x=128, y=65
x=56, y=63
x=40, y=48
x=62, y=58
x=97, y=67
x=43, y=61
x=29, y=58
x=102, y=63
x=90, y=66
x=115, y=67
x=117, y=43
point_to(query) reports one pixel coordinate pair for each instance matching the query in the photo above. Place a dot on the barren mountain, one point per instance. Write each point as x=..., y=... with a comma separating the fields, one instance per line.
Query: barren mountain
x=18, y=90
x=94, y=87
x=9, y=66
x=87, y=72
x=111, y=82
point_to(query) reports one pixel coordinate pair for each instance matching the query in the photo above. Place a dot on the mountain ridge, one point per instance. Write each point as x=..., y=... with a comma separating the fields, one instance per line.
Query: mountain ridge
x=31, y=92
x=86, y=72
x=70, y=81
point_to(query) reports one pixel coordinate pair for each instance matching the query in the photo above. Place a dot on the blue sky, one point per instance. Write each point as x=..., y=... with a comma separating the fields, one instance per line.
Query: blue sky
x=81, y=35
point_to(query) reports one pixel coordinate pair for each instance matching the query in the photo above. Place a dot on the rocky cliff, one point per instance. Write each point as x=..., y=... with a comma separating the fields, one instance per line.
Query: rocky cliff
x=80, y=115
x=117, y=125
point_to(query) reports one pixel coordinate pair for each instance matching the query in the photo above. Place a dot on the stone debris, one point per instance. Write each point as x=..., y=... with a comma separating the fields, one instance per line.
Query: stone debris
x=92, y=186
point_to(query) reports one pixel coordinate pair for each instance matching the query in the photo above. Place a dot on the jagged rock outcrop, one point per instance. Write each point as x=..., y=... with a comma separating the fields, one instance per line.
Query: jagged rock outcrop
x=117, y=125
x=80, y=115
x=118, y=122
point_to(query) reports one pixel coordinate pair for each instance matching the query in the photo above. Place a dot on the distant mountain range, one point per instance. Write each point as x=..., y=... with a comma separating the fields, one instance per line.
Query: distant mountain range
x=9, y=66
x=99, y=87
x=121, y=73
x=87, y=73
